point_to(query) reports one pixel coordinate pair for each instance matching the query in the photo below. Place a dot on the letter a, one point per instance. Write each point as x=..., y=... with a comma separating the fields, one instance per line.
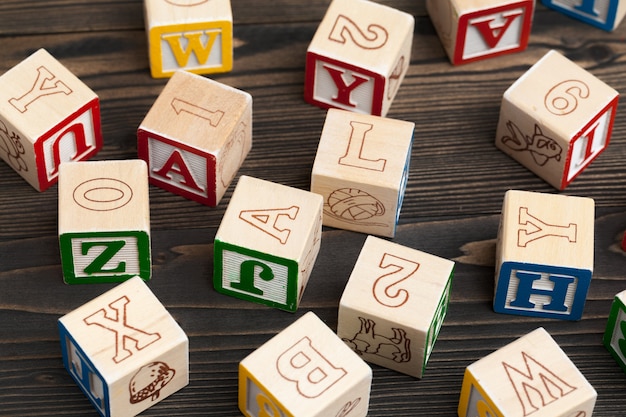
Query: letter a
x=175, y=164
x=311, y=371
x=267, y=221
x=492, y=34
x=45, y=84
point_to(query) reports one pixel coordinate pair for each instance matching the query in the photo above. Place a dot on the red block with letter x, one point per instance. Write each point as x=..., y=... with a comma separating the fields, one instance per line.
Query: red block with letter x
x=358, y=57
x=47, y=116
x=473, y=30
x=196, y=136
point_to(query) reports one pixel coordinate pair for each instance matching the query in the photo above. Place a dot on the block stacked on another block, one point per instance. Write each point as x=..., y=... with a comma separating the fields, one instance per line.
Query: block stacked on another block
x=604, y=14
x=196, y=136
x=556, y=119
x=361, y=169
x=544, y=257
x=472, y=30
x=124, y=350
x=47, y=116
x=191, y=35
x=615, y=333
x=267, y=243
x=394, y=304
x=358, y=57
x=304, y=371
x=530, y=376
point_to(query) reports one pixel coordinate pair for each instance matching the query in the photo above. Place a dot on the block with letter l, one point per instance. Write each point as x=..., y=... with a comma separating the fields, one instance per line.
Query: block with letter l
x=104, y=221
x=304, y=371
x=615, y=334
x=267, y=243
x=191, y=35
x=196, y=136
x=556, y=119
x=604, y=14
x=358, y=57
x=544, y=255
x=361, y=169
x=124, y=350
x=394, y=305
x=47, y=116
x=472, y=30
x=531, y=376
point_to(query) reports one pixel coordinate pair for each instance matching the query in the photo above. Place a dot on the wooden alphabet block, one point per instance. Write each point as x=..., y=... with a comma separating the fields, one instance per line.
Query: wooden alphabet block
x=529, y=376
x=124, y=350
x=47, y=116
x=544, y=257
x=358, y=57
x=267, y=243
x=361, y=169
x=472, y=30
x=556, y=119
x=196, y=136
x=304, y=371
x=604, y=14
x=104, y=221
x=394, y=304
x=615, y=334
x=191, y=35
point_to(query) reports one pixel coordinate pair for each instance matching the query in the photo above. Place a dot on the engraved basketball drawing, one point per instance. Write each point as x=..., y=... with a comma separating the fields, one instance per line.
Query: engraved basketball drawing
x=149, y=381
x=353, y=204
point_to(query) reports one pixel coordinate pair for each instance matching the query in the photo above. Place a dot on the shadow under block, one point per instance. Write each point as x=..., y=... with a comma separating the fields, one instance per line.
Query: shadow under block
x=394, y=304
x=604, y=14
x=615, y=334
x=104, y=221
x=47, y=116
x=124, y=350
x=361, y=169
x=196, y=136
x=471, y=30
x=267, y=243
x=530, y=376
x=304, y=371
x=544, y=255
x=196, y=36
x=358, y=57
x=556, y=119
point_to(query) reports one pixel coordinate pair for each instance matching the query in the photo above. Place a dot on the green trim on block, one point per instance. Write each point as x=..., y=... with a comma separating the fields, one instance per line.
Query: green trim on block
x=611, y=327
x=443, y=308
x=269, y=280
x=105, y=247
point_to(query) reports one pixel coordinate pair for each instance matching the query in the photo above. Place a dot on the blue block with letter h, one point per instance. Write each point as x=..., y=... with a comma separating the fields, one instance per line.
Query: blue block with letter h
x=604, y=14
x=541, y=290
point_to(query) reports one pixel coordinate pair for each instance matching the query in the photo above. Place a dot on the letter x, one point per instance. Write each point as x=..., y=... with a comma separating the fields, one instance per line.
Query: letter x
x=127, y=338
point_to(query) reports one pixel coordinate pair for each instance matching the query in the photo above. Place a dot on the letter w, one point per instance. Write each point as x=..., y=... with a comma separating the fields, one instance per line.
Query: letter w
x=193, y=45
x=538, y=386
x=128, y=339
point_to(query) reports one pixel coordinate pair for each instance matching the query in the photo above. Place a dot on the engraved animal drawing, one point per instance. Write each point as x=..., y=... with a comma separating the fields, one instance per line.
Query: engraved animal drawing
x=541, y=147
x=366, y=340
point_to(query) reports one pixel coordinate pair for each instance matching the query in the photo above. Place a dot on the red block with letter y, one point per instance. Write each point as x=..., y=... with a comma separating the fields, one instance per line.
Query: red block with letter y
x=48, y=116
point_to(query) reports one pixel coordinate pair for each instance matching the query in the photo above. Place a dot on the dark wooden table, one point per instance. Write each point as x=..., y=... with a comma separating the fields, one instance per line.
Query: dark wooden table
x=451, y=207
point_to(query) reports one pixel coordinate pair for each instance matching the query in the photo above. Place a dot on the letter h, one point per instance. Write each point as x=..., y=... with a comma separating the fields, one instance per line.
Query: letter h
x=541, y=290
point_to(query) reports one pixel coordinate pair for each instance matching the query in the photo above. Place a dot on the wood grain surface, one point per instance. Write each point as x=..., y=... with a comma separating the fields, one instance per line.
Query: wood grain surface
x=451, y=208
